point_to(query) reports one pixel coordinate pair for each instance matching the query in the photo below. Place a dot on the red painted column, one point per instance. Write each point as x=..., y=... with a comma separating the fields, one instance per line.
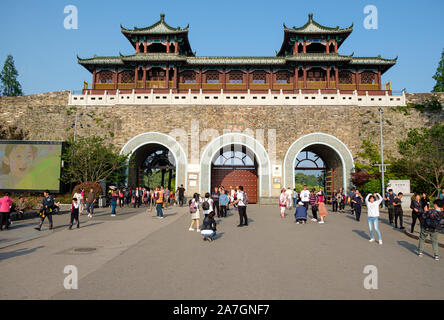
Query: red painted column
x=336, y=46
x=271, y=78
x=175, y=78
x=247, y=76
x=136, y=76
x=327, y=48
x=137, y=47
x=144, y=78
x=94, y=80
x=145, y=47
x=296, y=78
x=115, y=79
x=358, y=80
x=304, y=48
x=168, y=47
x=328, y=76
x=176, y=47
x=379, y=79
x=224, y=79
x=337, y=77
x=167, y=77
x=295, y=48
x=305, y=77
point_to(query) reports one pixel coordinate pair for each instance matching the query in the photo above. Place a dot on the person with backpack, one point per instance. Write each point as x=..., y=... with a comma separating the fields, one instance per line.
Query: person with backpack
x=241, y=202
x=208, y=227
x=193, y=205
x=74, y=213
x=207, y=204
x=430, y=222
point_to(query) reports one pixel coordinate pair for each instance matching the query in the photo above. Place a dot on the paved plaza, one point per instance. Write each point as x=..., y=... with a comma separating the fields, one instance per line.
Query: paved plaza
x=137, y=256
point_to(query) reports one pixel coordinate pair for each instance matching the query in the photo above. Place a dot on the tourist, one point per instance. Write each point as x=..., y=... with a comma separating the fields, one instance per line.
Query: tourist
x=357, y=204
x=47, y=207
x=425, y=202
x=321, y=205
x=77, y=195
x=397, y=208
x=313, y=200
x=5, y=209
x=20, y=208
x=121, y=202
x=389, y=204
x=241, y=202
x=305, y=196
x=181, y=195
x=334, y=201
x=289, y=194
x=167, y=197
x=417, y=210
x=81, y=201
x=430, y=226
x=223, y=202
x=340, y=197
x=74, y=213
x=295, y=197
x=114, y=199
x=215, y=197
x=194, y=211
x=300, y=213
x=90, y=202
x=283, y=202
x=351, y=196
x=208, y=227
x=159, y=196
x=128, y=197
x=373, y=214
x=207, y=204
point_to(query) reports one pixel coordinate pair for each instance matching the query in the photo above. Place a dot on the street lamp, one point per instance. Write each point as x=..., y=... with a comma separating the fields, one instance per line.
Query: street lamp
x=382, y=167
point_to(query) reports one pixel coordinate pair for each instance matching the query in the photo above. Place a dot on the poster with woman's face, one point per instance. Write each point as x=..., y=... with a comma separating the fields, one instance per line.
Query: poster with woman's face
x=30, y=166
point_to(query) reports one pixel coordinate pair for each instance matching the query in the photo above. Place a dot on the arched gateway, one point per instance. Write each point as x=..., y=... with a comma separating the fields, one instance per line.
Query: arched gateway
x=145, y=145
x=336, y=156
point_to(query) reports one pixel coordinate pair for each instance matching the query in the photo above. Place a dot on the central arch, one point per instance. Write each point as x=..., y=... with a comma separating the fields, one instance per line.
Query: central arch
x=264, y=167
x=330, y=148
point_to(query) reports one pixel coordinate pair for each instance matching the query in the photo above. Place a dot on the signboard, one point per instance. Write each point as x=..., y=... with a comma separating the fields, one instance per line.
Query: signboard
x=30, y=165
x=193, y=167
x=192, y=176
x=277, y=170
x=400, y=186
x=193, y=183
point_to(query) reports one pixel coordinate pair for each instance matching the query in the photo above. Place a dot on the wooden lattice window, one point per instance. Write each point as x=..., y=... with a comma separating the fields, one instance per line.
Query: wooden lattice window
x=156, y=75
x=105, y=77
x=127, y=77
x=316, y=75
x=259, y=77
x=235, y=77
x=368, y=77
x=345, y=77
x=212, y=77
x=189, y=77
x=283, y=77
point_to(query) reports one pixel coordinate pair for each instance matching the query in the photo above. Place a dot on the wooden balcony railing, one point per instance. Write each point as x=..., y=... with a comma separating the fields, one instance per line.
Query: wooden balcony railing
x=104, y=86
x=192, y=86
x=316, y=84
x=300, y=84
x=259, y=86
x=236, y=86
x=125, y=86
x=347, y=86
x=139, y=84
x=212, y=86
x=283, y=86
x=368, y=87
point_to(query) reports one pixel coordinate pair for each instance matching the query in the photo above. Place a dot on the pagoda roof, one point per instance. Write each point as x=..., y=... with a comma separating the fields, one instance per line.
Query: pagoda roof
x=160, y=27
x=235, y=61
x=318, y=57
x=313, y=27
x=154, y=57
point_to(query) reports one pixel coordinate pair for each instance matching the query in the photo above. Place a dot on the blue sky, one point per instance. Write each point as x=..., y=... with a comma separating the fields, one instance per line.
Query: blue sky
x=45, y=53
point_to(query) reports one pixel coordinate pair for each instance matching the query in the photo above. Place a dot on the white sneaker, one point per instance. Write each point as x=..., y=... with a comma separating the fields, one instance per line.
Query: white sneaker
x=380, y=241
x=191, y=229
x=297, y=222
x=197, y=230
x=113, y=215
x=314, y=219
x=321, y=221
x=371, y=240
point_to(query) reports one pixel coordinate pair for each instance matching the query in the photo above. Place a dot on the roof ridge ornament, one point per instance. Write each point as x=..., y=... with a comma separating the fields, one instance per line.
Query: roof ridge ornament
x=162, y=17
x=310, y=17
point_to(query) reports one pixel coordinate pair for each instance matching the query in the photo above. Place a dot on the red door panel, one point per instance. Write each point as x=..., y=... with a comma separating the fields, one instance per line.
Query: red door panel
x=236, y=177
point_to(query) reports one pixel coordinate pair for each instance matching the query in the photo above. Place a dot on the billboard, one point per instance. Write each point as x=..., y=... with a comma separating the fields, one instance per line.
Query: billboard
x=30, y=165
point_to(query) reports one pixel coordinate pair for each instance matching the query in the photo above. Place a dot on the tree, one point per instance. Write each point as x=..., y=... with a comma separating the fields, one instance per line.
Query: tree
x=10, y=86
x=423, y=154
x=12, y=133
x=439, y=75
x=92, y=159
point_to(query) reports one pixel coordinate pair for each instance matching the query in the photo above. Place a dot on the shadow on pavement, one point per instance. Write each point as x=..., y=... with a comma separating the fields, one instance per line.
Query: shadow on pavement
x=170, y=214
x=361, y=233
x=412, y=248
x=16, y=253
x=218, y=235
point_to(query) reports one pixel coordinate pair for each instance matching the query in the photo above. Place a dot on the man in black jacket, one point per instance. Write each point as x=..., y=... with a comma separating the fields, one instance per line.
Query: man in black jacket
x=48, y=207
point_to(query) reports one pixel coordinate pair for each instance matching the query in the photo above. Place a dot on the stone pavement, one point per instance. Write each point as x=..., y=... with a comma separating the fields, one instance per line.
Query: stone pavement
x=273, y=258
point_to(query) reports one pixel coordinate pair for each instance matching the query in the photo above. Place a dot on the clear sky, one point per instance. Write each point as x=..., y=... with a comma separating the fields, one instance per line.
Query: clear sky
x=45, y=52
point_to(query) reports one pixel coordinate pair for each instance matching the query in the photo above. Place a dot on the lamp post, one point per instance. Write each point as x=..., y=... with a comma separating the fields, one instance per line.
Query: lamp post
x=382, y=153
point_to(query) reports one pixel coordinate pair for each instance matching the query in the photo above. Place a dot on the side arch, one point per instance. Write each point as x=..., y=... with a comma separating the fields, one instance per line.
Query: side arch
x=264, y=170
x=318, y=138
x=167, y=141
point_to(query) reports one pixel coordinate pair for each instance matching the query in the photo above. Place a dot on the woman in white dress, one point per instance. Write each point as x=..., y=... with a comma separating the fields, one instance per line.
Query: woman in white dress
x=194, y=211
x=283, y=202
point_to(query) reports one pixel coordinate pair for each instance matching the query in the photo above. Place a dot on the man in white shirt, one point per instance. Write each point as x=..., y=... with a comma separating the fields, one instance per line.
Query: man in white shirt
x=305, y=197
x=242, y=207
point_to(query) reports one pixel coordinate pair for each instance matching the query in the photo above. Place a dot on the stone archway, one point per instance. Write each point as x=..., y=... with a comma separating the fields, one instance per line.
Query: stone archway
x=264, y=166
x=329, y=147
x=168, y=142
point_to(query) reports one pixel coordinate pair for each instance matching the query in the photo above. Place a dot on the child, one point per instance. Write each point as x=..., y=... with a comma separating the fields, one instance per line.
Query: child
x=74, y=213
x=301, y=213
x=209, y=227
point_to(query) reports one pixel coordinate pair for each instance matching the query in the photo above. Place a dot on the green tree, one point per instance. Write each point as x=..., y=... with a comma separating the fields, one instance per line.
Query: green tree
x=439, y=75
x=423, y=154
x=92, y=159
x=10, y=86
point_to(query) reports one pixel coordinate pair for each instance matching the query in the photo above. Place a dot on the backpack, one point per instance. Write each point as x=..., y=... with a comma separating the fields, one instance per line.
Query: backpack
x=192, y=206
x=430, y=222
x=206, y=205
x=245, y=198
